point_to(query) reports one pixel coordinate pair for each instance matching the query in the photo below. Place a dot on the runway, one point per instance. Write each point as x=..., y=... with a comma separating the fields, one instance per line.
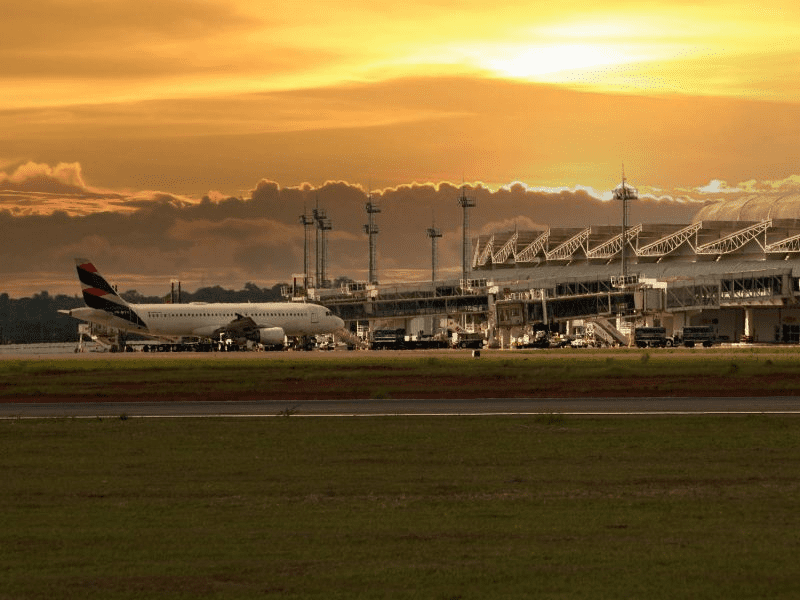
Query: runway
x=784, y=405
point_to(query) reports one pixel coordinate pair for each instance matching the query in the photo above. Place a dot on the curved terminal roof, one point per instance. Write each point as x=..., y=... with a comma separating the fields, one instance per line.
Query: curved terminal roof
x=752, y=207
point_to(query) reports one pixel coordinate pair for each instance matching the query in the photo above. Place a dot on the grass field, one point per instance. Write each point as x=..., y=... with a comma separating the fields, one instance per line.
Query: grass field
x=500, y=507
x=560, y=373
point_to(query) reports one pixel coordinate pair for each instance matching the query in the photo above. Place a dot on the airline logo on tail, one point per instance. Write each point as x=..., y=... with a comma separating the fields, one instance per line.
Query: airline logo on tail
x=97, y=293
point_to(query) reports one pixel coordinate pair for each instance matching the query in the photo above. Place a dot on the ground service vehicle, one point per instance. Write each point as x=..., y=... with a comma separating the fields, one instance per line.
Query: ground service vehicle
x=463, y=339
x=425, y=342
x=388, y=339
x=651, y=337
x=699, y=334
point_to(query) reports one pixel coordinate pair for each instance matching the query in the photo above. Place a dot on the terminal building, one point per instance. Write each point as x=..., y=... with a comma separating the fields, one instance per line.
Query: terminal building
x=735, y=267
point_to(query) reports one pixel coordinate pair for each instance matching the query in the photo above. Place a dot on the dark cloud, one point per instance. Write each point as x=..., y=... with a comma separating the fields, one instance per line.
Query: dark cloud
x=228, y=240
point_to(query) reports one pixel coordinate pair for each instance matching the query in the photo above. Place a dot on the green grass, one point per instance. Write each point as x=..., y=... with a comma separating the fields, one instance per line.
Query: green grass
x=502, y=507
x=772, y=371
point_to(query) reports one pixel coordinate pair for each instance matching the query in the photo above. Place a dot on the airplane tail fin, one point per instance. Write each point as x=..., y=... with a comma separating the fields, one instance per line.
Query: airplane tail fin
x=97, y=292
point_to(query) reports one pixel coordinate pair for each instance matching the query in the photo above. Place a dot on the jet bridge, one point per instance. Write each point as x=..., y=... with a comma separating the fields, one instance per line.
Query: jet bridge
x=465, y=301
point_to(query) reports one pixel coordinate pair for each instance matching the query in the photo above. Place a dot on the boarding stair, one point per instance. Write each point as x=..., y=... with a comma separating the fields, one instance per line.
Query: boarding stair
x=604, y=329
x=105, y=340
x=349, y=338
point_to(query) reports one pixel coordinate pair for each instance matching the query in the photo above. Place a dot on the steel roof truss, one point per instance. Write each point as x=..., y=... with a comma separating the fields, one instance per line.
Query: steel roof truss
x=734, y=241
x=790, y=244
x=507, y=250
x=482, y=259
x=532, y=250
x=612, y=247
x=567, y=249
x=669, y=243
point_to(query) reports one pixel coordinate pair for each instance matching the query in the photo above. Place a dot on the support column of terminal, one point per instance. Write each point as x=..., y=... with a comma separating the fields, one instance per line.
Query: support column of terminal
x=749, y=325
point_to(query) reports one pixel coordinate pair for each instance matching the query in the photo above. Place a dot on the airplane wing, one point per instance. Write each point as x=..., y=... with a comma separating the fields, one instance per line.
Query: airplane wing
x=240, y=327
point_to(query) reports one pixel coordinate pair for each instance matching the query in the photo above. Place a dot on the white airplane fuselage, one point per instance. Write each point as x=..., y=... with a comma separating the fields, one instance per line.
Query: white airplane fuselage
x=203, y=320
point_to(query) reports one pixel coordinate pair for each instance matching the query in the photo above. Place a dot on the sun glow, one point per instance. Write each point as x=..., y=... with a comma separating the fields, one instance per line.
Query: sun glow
x=534, y=62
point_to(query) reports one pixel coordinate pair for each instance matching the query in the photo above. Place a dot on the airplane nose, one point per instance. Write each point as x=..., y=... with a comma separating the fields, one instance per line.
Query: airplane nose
x=339, y=323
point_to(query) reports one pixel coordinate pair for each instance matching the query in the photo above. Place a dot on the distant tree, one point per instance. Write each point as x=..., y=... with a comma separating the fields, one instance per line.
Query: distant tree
x=135, y=297
x=5, y=315
x=36, y=319
x=275, y=292
x=257, y=294
x=208, y=294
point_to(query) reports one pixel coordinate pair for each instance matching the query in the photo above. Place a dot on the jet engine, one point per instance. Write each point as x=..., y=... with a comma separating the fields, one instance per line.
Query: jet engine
x=271, y=336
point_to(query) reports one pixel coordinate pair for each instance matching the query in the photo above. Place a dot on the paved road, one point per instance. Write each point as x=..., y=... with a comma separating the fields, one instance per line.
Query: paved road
x=584, y=406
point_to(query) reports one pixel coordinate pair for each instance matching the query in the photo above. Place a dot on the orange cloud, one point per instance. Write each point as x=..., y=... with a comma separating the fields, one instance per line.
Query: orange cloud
x=389, y=133
x=63, y=177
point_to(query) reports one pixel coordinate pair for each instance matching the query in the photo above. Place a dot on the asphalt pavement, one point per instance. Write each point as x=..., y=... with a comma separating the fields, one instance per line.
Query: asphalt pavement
x=391, y=407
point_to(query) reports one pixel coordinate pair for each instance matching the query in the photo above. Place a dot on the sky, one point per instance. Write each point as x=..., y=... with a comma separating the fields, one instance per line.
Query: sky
x=169, y=140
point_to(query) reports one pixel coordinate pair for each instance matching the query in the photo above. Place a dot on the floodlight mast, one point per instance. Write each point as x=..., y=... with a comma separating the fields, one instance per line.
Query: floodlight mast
x=323, y=225
x=466, y=202
x=434, y=233
x=625, y=192
x=371, y=229
x=307, y=221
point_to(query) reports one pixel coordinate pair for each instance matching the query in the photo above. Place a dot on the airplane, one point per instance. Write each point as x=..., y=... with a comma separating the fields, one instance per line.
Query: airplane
x=268, y=323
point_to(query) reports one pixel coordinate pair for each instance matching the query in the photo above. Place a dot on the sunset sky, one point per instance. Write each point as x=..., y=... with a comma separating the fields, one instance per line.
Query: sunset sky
x=118, y=118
